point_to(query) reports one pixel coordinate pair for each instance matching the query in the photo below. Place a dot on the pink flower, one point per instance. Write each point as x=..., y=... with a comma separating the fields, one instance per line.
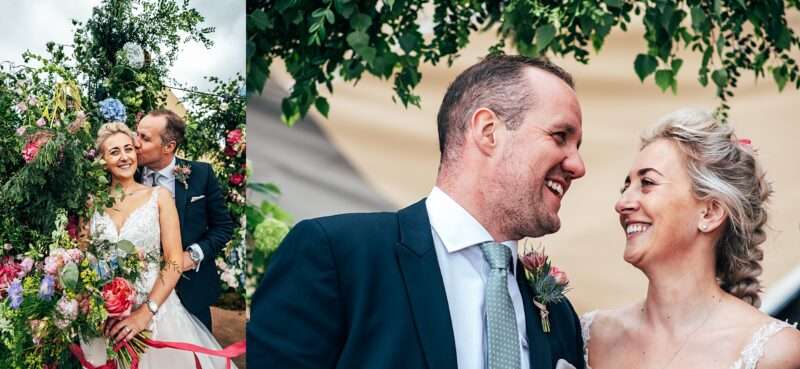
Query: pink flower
x=230, y=151
x=533, y=260
x=30, y=151
x=41, y=122
x=236, y=179
x=68, y=309
x=118, y=297
x=559, y=275
x=21, y=131
x=52, y=264
x=76, y=255
x=9, y=271
x=26, y=265
x=234, y=137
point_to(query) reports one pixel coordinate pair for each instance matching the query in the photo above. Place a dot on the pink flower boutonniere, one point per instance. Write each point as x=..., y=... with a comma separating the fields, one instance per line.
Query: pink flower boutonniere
x=548, y=282
x=182, y=173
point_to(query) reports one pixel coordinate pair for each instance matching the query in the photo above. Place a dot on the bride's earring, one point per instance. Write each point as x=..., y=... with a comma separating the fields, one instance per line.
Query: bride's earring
x=704, y=227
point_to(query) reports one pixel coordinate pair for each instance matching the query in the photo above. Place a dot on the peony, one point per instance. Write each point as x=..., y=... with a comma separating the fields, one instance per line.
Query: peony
x=76, y=255
x=27, y=265
x=234, y=137
x=118, y=297
x=559, y=275
x=52, y=264
x=236, y=179
x=68, y=309
x=230, y=151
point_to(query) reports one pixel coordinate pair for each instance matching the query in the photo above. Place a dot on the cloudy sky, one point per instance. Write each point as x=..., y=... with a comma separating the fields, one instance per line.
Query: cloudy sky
x=29, y=25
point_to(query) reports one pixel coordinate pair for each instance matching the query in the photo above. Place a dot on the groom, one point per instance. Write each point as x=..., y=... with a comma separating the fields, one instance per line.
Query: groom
x=206, y=225
x=438, y=285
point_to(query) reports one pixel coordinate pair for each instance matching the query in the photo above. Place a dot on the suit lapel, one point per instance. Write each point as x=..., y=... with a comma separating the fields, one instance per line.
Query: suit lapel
x=538, y=345
x=423, y=281
x=181, y=195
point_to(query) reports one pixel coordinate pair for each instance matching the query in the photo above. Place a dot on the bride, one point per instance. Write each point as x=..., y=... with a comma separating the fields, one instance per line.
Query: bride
x=146, y=216
x=693, y=212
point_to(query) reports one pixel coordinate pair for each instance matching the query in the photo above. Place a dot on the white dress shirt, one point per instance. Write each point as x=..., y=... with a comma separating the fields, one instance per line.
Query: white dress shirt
x=456, y=238
x=167, y=177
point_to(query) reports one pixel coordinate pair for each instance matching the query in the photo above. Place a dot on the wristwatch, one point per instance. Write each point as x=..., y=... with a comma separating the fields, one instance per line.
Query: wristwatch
x=194, y=254
x=152, y=306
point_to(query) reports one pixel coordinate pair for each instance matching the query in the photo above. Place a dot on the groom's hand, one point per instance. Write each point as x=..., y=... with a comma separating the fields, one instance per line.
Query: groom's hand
x=188, y=264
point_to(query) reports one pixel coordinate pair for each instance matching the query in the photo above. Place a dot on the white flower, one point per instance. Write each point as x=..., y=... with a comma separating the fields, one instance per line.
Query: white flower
x=140, y=89
x=134, y=54
x=223, y=106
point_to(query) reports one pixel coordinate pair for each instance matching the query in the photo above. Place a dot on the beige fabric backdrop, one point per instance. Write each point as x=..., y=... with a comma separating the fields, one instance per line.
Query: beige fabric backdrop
x=396, y=150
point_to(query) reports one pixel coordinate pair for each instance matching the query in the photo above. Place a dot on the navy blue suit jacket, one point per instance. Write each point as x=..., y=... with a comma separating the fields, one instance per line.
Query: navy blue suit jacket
x=207, y=222
x=365, y=291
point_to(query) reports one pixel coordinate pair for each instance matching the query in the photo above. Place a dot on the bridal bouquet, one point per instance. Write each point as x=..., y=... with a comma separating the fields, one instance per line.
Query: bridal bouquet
x=548, y=282
x=69, y=295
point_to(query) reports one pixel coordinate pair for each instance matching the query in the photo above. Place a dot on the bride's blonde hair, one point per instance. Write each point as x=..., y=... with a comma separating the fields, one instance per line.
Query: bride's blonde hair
x=109, y=129
x=725, y=169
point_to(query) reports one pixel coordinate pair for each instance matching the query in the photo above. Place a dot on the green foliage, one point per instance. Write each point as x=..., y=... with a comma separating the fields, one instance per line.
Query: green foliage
x=320, y=41
x=267, y=225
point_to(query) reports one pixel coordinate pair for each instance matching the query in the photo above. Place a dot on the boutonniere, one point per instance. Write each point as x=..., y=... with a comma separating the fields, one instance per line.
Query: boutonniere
x=182, y=173
x=549, y=284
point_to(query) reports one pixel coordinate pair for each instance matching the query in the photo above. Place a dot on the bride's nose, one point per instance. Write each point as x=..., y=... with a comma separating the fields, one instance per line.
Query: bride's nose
x=627, y=203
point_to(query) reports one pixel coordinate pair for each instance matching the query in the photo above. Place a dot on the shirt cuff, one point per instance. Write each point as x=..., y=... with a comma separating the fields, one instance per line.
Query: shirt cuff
x=195, y=247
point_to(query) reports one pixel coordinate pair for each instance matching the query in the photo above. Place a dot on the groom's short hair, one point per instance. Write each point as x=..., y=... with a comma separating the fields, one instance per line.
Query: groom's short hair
x=174, y=130
x=497, y=82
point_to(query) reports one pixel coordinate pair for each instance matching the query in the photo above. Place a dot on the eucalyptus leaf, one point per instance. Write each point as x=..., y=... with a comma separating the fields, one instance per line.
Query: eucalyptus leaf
x=69, y=276
x=126, y=246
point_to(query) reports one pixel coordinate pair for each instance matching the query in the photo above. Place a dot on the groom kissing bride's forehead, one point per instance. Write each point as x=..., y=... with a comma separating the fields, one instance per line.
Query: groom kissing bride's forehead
x=439, y=283
x=206, y=225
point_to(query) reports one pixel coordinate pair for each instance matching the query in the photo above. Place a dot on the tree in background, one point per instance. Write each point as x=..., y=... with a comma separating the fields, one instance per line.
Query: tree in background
x=320, y=41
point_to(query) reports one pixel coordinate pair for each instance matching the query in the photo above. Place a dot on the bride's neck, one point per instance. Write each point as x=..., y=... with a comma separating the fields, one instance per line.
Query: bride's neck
x=681, y=295
x=127, y=184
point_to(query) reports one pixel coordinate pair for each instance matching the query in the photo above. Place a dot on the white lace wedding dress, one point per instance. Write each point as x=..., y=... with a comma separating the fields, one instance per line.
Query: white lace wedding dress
x=748, y=358
x=172, y=322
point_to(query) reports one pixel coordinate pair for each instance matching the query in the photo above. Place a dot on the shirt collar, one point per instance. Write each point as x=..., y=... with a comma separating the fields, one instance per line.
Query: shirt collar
x=168, y=171
x=455, y=226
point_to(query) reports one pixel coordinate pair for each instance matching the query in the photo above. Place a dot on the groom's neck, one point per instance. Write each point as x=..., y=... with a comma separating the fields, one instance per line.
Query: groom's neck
x=161, y=164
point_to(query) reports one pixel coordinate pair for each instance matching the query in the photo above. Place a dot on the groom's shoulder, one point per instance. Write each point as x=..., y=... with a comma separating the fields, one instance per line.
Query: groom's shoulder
x=354, y=224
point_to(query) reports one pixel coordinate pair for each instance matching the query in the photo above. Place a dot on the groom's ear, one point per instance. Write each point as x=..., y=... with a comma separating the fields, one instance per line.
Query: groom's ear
x=482, y=130
x=712, y=215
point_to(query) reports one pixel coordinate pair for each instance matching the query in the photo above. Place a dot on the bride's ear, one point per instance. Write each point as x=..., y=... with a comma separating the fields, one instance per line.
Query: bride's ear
x=712, y=216
x=482, y=130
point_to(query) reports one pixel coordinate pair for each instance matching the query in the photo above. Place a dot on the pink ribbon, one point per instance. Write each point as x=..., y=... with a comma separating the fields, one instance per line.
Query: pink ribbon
x=230, y=352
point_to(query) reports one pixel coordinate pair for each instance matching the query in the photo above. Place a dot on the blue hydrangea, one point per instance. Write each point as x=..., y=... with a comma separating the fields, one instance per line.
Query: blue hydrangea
x=15, y=294
x=112, y=110
x=47, y=288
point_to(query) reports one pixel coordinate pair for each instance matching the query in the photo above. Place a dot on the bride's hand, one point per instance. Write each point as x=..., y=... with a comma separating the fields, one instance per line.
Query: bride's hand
x=129, y=327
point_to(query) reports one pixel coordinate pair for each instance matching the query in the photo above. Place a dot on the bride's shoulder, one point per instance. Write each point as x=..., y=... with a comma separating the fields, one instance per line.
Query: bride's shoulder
x=609, y=324
x=781, y=346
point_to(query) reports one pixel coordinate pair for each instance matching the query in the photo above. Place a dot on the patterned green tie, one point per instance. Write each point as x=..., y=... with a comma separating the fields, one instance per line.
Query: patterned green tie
x=501, y=322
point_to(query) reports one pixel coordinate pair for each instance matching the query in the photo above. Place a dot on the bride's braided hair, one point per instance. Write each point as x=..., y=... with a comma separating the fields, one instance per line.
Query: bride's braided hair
x=724, y=168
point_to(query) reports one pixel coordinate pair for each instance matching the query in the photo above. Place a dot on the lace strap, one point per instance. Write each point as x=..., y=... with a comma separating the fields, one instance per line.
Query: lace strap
x=754, y=351
x=586, y=324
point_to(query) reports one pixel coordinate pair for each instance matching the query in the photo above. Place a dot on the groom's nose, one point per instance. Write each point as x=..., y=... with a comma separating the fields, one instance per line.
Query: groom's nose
x=574, y=166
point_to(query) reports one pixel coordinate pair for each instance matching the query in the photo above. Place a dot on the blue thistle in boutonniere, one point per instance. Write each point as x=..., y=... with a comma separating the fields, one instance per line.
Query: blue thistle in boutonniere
x=548, y=282
x=182, y=173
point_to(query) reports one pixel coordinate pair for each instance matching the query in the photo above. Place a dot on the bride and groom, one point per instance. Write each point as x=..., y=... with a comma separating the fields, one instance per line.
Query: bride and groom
x=172, y=208
x=439, y=284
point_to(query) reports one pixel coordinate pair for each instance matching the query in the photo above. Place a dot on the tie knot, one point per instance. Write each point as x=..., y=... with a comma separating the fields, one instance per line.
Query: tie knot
x=497, y=254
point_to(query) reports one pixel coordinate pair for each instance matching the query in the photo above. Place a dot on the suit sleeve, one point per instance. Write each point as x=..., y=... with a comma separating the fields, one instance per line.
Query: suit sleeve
x=295, y=319
x=220, y=225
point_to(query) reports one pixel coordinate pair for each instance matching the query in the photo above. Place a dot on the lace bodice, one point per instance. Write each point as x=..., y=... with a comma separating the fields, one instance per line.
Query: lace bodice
x=142, y=228
x=748, y=359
